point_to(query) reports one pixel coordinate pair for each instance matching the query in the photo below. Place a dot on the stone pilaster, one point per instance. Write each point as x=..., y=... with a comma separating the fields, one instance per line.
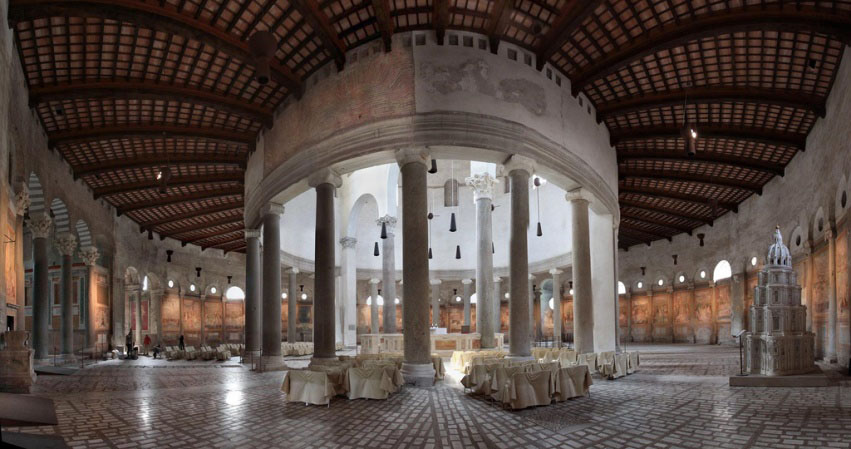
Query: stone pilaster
x=66, y=244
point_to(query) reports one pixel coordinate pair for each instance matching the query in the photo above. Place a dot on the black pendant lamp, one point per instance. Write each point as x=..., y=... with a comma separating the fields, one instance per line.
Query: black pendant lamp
x=493, y=248
x=452, y=227
x=429, y=252
x=457, y=251
x=383, y=230
x=537, y=183
x=168, y=254
x=375, y=251
x=540, y=232
x=433, y=168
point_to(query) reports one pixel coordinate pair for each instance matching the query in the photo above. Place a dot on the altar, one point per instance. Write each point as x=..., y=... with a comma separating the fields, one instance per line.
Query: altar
x=442, y=344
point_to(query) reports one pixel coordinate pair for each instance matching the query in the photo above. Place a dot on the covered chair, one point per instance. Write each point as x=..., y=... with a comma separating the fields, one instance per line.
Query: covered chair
x=606, y=363
x=571, y=382
x=369, y=383
x=310, y=387
x=530, y=389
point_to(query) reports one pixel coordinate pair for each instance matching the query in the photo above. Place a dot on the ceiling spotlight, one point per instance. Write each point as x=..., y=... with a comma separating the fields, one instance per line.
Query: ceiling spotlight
x=262, y=45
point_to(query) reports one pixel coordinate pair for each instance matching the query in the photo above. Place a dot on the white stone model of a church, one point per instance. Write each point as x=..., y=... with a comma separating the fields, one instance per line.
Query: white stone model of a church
x=778, y=342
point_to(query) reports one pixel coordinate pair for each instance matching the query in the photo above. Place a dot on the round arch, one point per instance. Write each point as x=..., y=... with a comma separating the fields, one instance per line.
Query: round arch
x=722, y=271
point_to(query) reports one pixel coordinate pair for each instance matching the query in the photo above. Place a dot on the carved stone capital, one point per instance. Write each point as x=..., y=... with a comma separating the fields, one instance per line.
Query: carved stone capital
x=252, y=234
x=66, y=243
x=374, y=281
x=413, y=155
x=22, y=200
x=272, y=208
x=90, y=255
x=556, y=271
x=579, y=194
x=388, y=221
x=483, y=185
x=40, y=224
x=324, y=176
x=435, y=282
x=293, y=270
x=348, y=242
x=518, y=162
x=466, y=281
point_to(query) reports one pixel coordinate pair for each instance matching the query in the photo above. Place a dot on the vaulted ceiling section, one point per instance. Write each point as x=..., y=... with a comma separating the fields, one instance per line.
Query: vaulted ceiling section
x=126, y=88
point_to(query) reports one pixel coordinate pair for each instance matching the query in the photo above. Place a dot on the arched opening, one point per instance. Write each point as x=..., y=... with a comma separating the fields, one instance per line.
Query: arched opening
x=621, y=288
x=722, y=271
x=235, y=292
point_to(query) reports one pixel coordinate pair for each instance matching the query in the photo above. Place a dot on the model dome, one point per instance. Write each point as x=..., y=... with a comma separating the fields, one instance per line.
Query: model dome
x=778, y=253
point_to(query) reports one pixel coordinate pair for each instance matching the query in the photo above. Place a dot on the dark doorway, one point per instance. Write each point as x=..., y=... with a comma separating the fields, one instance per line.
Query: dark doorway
x=10, y=323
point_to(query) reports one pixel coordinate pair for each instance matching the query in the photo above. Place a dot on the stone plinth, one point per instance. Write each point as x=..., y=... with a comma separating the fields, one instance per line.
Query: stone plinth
x=16, y=363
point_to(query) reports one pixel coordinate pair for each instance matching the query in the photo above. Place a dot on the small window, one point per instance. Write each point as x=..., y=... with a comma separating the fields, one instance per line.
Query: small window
x=798, y=241
x=213, y=290
x=284, y=295
x=235, y=293
x=722, y=271
x=468, y=41
x=702, y=274
x=453, y=39
x=558, y=80
x=145, y=284
x=170, y=283
x=753, y=261
x=580, y=102
x=820, y=224
x=640, y=284
x=380, y=301
x=512, y=54
x=549, y=73
x=420, y=40
x=621, y=288
x=192, y=287
x=681, y=278
x=661, y=282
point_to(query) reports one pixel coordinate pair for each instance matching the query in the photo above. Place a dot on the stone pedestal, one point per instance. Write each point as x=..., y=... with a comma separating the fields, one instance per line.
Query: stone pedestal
x=16, y=363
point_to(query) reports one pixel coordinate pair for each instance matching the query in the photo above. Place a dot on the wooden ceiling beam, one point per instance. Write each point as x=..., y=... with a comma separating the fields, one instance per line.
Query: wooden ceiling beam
x=233, y=244
x=211, y=134
x=498, y=22
x=168, y=200
x=626, y=226
x=440, y=18
x=570, y=18
x=147, y=90
x=761, y=135
x=703, y=157
x=665, y=210
x=212, y=235
x=160, y=160
x=226, y=207
x=693, y=177
x=161, y=16
x=384, y=22
x=655, y=222
x=201, y=226
x=672, y=195
x=318, y=20
x=178, y=181
x=713, y=95
x=784, y=17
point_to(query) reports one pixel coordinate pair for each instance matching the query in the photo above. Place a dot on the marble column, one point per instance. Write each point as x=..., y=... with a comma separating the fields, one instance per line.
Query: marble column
x=417, y=367
x=615, y=227
x=519, y=170
x=388, y=273
x=41, y=225
x=292, y=304
x=692, y=312
x=348, y=271
x=496, y=313
x=556, y=273
x=253, y=305
x=373, y=306
x=90, y=256
x=435, y=302
x=66, y=244
x=137, y=304
x=670, y=318
x=832, y=309
x=468, y=291
x=628, y=298
x=486, y=325
x=272, y=358
x=583, y=299
x=325, y=182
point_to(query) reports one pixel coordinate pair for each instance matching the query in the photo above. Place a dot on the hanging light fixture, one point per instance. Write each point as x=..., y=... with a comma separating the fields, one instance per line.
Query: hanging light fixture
x=700, y=237
x=229, y=278
x=457, y=251
x=429, y=252
x=375, y=251
x=689, y=132
x=168, y=254
x=452, y=227
x=493, y=248
x=642, y=270
x=537, y=183
x=383, y=230
x=433, y=168
x=197, y=272
x=675, y=258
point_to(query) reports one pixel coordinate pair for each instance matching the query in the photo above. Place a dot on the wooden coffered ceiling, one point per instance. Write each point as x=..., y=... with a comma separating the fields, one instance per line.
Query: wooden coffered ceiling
x=125, y=88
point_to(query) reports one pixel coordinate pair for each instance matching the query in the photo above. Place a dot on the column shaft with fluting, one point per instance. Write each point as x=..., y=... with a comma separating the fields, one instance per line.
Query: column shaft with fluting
x=272, y=358
x=373, y=306
x=324, y=317
x=483, y=185
x=388, y=273
x=253, y=306
x=40, y=224
x=556, y=306
x=417, y=367
x=583, y=301
x=66, y=243
x=467, y=291
x=292, y=304
x=519, y=170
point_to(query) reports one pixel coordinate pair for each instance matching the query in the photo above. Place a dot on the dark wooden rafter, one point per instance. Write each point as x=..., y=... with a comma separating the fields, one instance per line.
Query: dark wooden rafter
x=762, y=135
x=571, y=16
x=498, y=22
x=224, y=207
x=208, y=236
x=786, y=16
x=160, y=16
x=653, y=235
x=211, y=134
x=149, y=90
x=229, y=246
x=671, y=175
x=712, y=95
x=655, y=222
x=317, y=19
x=704, y=157
x=673, y=195
x=666, y=210
x=178, y=181
x=167, y=200
x=160, y=160
x=202, y=226
x=440, y=18
x=384, y=22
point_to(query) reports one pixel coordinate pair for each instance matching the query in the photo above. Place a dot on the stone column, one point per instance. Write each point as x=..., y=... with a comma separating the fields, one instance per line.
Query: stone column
x=90, y=255
x=714, y=307
x=253, y=293
x=468, y=290
x=40, y=224
x=388, y=273
x=435, y=302
x=519, y=170
x=373, y=306
x=670, y=290
x=583, y=299
x=830, y=350
x=417, y=367
x=535, y=329
x=628, y=298
x=615, y=227
x=272, y=359
x=66, y=244
x=556, y=273
x=348, y=270
x=325, y=182
x=22, y=204
x=486, y=326
x=496, y=313
x=292, y=304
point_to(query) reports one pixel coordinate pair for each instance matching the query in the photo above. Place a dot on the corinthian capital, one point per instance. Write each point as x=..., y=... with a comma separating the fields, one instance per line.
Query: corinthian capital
x=66, y=243
x=22, y=200
x=388, y=221
x=90, y=255
x=482, y=185
x=348, y=242
x=40, y=224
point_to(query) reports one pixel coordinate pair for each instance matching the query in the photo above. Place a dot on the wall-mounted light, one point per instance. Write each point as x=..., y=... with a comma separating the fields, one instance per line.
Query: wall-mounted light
x=303, y=294
x=642, y=270
x=197, y=272
x=675, y=259
x=700, y=237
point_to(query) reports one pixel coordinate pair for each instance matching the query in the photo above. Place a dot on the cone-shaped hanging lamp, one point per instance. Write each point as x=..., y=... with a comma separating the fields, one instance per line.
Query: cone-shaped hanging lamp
x=433, y=168
x=375, y=251
x=457, y=251
x=429, y=253
x=540, y=232
x=493, y=249
x=383, y=230
x=452, y=227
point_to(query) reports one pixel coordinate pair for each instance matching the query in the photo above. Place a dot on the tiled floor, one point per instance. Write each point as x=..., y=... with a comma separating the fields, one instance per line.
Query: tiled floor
x=679, y=398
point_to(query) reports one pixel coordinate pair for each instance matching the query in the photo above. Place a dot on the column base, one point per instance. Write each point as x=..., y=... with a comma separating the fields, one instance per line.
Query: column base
x=520, y=358
x=273, y=363
x=324, y=361
x=67, y=358
x=251, y=356
x=418, y=375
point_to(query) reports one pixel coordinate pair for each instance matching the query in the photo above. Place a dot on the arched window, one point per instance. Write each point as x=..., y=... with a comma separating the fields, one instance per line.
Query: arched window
x=621, y=288
x=145, y=284
x=473, y=298
x=380, y=300
x=235, y=293
x=722, y=271
x=450, y=193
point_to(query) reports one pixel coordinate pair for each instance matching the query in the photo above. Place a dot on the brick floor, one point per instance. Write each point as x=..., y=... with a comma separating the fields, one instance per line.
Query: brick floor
x=679, y=398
